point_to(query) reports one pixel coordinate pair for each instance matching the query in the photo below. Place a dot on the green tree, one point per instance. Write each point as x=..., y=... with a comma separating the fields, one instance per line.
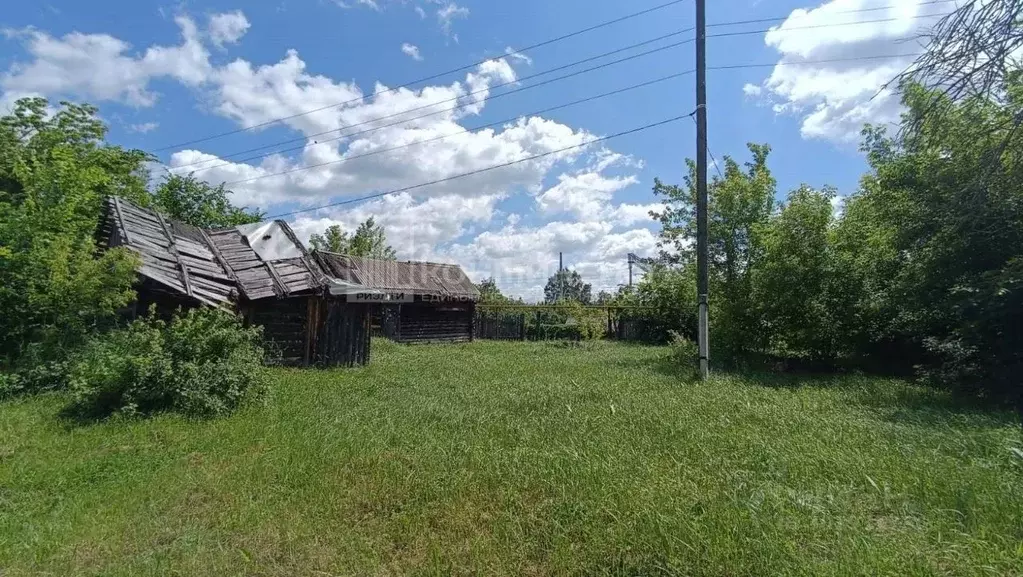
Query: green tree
x=740, y=206
x=489, y=291
x=334, y=239
x=935, y=234
x=55, y=171
x=200, y=204
x=794, y=282
x=567, y=285
x=370, y=241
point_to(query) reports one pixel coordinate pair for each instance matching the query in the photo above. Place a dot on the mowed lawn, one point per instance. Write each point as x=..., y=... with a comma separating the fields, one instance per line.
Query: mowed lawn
x=521, y=459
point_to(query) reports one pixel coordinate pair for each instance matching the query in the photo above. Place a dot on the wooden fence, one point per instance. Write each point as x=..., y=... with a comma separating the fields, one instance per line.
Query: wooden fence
x=552, y=322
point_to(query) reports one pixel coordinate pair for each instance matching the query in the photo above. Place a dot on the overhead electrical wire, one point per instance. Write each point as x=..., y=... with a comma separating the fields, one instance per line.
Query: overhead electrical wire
x=722, y=67
x=489, y=97
x=560, y=38
x=474, y=172
x=476, y=92
x=435, y=76
x=488, y=125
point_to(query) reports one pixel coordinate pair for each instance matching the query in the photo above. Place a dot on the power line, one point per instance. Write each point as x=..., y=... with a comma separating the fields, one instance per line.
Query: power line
x=724, y=67
x=716, y=167
x=305, y=138
x=474, y=172
x=434, y=76
x=855, y=11
x=480, y=127
x=476, y=92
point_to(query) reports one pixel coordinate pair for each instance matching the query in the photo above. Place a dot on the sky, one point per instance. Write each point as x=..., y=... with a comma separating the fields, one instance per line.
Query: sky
x=298, y=104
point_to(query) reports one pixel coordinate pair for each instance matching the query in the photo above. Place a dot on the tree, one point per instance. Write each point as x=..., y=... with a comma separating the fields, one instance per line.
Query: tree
x=972, y=52
x=55, y=171
x=740, y=207
x=794, y=282
x=334, y=239
x=567, y=285
x=197, y=203
x=489, y=292
x=370, y=241
x=933, y=250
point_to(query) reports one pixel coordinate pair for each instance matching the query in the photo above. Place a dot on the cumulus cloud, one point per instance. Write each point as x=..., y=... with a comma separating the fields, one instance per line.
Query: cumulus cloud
x=371, y=139
x=448, y=13
x=835, y=99
x=144, y=127
x=227, y=28
x=412, y=51
x=99, y=67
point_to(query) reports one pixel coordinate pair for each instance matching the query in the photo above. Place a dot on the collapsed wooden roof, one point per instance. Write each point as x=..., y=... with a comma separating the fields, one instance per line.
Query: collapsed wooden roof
x=215, y=267
x=417, y=278
x=174, y=254
x=258, y=261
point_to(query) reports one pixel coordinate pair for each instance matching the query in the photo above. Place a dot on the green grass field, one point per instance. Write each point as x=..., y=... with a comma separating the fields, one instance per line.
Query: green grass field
x=521, y=459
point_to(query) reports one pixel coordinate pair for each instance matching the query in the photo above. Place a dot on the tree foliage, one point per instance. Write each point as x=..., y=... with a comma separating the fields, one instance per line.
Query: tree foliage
x=334, y=239
x=567, y=285
x=55, y=171
x=200, y=204
x=739, y=209
x=490, y=292
x=922, y=266
x=369, y=240
x=57, y=289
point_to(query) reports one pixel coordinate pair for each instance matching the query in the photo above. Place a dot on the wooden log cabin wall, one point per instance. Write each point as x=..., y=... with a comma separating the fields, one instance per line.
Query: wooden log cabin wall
x=422, y=302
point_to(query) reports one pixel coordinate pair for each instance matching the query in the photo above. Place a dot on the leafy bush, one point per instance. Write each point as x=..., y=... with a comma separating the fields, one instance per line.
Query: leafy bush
x=684, y=351
x=201, y=363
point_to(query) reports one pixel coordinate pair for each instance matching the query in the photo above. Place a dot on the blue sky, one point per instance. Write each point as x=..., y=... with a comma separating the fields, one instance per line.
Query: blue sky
x=167, y=74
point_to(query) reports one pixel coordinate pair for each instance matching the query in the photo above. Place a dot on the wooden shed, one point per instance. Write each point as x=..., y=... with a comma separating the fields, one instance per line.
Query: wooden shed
x=416, y=302
x=261, y=271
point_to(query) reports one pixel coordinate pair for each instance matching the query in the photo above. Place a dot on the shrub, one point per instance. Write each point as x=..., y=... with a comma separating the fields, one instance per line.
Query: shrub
x=202, y=363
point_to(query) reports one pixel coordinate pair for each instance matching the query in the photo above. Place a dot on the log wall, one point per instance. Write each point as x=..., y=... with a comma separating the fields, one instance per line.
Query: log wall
x=433, y=323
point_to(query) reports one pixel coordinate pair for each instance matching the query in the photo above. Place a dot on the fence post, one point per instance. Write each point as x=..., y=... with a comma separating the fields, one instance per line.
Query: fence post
x=609, y=334
x=522, y=326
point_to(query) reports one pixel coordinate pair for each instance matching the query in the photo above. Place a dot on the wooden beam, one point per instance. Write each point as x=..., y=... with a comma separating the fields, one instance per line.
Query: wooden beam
x=120, y=220
x=278, y=283
x=223, y=262
x=317, y=275
x=174, y=251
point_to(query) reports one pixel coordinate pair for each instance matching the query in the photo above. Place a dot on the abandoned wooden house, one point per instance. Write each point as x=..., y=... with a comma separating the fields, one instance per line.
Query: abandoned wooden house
x=260, y=270
x=416, y=302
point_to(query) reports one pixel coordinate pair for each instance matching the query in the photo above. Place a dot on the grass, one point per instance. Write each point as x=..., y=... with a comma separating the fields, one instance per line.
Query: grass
x=521, y=459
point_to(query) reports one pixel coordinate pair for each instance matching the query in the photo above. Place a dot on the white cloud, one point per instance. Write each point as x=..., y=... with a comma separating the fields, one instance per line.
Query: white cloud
x=253, y=95
x=372, y=4
x=448, y=13
x=835, y=99
x=144, y=127
x=630, y=214
x=419, y=10
x=414, y=227
x=98, y=67
x=515, y=55
x=452, y=221
x=227, y=28
x=412, y=51
x=585, y=194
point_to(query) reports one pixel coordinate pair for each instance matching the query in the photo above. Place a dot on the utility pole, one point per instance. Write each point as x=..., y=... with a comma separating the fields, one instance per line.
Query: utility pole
x=701, y=187
x=561, y=277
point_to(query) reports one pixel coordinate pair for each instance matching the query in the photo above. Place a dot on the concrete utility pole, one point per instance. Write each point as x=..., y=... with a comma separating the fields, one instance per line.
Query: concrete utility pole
x=701, y=187
x=631, y=257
